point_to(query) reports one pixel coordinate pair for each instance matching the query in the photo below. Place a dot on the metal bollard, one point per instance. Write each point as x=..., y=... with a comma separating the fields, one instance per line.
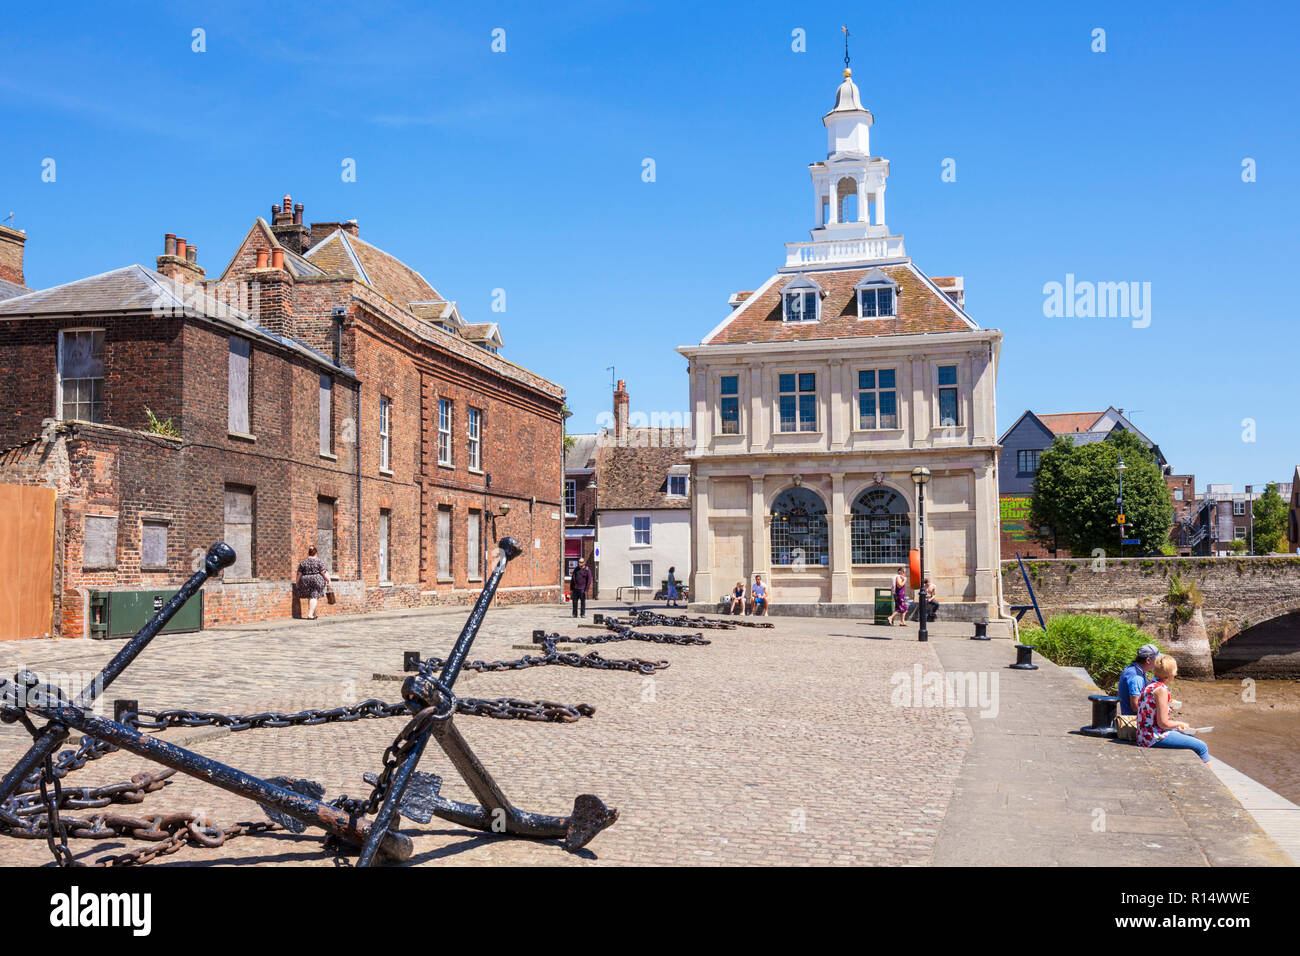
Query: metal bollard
x=981, y=631
x=410, y=661
x=1024, y=658
x=539, y=636
x=598, y=619
x=1103, y=716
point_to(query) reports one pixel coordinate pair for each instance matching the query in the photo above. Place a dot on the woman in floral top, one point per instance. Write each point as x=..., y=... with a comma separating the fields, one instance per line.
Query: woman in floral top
x=1154, y=726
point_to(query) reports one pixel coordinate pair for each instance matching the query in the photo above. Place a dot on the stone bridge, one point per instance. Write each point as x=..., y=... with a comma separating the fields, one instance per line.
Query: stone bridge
x=1251, y=608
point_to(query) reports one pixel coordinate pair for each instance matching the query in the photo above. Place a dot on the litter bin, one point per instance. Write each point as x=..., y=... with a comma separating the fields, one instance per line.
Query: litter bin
x=884, y=605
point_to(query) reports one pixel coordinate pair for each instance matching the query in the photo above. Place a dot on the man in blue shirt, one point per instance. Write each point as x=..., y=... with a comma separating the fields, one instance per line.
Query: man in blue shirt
x=1134, y=678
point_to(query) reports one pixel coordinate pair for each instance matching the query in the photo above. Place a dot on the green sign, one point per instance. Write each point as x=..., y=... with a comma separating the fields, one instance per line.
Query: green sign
x=1014, y=512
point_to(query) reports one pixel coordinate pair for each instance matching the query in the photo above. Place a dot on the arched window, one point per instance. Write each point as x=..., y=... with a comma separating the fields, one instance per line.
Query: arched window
x=846, y=192
x=799, y=533
x=880, y=531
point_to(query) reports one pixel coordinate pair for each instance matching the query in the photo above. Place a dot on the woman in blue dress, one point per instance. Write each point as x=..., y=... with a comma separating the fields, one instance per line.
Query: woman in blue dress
x=672, y=588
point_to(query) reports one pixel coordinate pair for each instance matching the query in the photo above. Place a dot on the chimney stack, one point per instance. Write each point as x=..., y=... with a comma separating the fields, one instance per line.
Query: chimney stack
x=286, y=225
x=323, y=230
x=12, y=242
x=620, y=411
x=180, y=260
x=272, y=289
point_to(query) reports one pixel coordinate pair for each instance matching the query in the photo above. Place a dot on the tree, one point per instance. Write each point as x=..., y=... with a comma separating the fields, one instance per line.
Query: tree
x=1270, y=510
x=1076, y=488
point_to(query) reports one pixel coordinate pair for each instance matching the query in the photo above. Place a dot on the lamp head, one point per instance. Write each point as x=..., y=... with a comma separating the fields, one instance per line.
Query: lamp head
x=920, y=474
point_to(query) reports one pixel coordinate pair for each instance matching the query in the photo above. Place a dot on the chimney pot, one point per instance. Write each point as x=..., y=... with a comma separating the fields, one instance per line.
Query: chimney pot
x=261, y=258
x=192, y=254
x=297, y=214
x=169, y=244
x=180, y=247
x=275, y=211
x=277, y=258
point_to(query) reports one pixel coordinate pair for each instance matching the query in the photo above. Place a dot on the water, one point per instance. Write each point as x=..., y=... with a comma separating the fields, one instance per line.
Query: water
x=1259, y=738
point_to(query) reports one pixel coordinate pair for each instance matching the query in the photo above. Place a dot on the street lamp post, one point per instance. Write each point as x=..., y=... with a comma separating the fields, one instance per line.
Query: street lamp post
x=921, y=475
x=1121, y=468
x=1250, y=510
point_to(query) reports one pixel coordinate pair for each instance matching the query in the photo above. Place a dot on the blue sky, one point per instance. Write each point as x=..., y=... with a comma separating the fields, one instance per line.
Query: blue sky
x=522, y=171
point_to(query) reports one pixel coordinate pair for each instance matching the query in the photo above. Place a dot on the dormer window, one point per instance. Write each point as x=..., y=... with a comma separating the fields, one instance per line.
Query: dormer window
x=801, y=301
x=877, y=296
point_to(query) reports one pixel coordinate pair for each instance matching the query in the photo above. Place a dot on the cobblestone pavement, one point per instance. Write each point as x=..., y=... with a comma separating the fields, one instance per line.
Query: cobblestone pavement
x=766, y=747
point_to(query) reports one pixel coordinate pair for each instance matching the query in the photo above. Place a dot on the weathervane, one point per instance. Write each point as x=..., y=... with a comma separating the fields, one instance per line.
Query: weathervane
x=846, y=47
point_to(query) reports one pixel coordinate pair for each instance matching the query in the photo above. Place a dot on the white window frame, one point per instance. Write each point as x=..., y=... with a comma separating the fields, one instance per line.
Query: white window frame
x=637, y=532
x=938, y=392
x=474, y=437
x=446, y=415
x=740, y=405
x=385, y=433
x=1239, y=508
x=649, y=573
x=802, y=286
x=873, y=282
x=686, y=486
x=570, y=494
x=816, y=429
x=858, y=392
x=58, y=371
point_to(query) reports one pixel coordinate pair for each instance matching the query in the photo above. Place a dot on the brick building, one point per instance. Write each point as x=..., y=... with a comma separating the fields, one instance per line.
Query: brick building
x=319, y=391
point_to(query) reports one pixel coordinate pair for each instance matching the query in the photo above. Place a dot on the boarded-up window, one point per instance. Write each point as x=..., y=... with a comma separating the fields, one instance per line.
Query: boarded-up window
x=237, y=398
x=239, y=530
x=325, y=531
x=326, y=415
x=473, y=548
x=153, y=545
x=100, y=550
x=384, y=522
x=444, y=543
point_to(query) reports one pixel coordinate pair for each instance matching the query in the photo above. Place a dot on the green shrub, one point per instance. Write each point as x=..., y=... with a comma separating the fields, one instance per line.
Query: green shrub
x=1183, y=597
x=1103, y=646
x=157, y=427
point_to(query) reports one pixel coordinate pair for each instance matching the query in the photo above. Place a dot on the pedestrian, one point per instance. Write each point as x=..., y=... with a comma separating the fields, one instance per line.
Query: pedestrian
x=931, y=602
x=671, y=595
x=900, y=598
x=1154, y=726
x=737, y=598
x=760, y=596
x=312, y=581
x=579, y=582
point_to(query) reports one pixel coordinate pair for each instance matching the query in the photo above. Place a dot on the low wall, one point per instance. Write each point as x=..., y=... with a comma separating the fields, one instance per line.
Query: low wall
x=1239, y=593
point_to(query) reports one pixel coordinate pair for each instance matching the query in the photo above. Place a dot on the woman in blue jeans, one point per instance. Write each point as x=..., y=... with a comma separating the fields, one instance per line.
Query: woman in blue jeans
x=1155, y=728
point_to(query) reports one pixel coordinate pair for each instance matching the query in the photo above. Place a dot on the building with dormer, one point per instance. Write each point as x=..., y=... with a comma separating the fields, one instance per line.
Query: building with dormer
x=821, y=390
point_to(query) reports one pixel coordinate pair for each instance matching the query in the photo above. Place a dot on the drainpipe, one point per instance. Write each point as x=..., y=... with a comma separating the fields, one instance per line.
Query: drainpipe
x=357, y=453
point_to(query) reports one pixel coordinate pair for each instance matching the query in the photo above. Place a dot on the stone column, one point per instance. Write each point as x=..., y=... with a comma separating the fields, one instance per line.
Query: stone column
x=701, y=565
x=758, y=422
x=839, y=541
x=833, y=207
x=864, y=208
x=758, y=548
x=835, y=405
x=880, y=204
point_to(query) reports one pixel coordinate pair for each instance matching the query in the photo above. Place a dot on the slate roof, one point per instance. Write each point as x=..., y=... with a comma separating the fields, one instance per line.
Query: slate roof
x=135, y=288
x=10, y=289
x=632, y=473
x=583, y=453
x=129, y=289
x=1065, y=422
x=921, y=307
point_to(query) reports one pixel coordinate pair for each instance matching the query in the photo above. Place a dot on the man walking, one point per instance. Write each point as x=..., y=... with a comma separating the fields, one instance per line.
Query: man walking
x=579, y=582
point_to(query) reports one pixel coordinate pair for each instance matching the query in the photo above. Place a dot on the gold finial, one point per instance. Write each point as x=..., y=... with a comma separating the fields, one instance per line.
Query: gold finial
x=847, y=73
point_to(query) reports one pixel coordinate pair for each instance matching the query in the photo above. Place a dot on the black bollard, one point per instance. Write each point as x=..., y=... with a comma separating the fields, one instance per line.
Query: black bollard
x=598, y=619
x=981, y=631
x=539, y=636
x=1103, y=716
x=1024, y=658
x=410, y=661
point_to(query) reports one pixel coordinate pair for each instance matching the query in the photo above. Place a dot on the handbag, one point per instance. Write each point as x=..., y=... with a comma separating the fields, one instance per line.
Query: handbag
x=1126, y=727
x=329, y=596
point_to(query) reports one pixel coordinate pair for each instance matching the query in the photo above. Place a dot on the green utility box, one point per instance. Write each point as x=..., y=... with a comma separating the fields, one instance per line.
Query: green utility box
x=122, y=613
x=884, y=605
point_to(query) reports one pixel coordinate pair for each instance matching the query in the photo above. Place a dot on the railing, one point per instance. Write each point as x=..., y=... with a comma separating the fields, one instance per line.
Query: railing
x=842, y=250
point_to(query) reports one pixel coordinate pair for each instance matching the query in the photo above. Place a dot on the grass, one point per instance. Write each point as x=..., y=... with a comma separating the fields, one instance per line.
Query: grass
x=1103, y=646
x=157, y=427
